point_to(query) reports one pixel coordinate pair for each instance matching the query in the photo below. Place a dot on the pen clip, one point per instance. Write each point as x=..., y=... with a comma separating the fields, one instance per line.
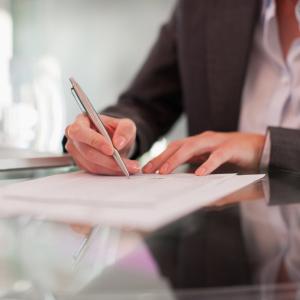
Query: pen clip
x=77, y=100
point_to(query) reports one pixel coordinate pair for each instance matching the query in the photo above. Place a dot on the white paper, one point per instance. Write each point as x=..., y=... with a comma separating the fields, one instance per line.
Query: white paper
x=144, y=202
x=137, y=191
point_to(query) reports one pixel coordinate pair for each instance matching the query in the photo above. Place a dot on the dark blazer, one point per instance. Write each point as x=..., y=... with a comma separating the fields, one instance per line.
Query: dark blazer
x=204, y=249
x=198, y=67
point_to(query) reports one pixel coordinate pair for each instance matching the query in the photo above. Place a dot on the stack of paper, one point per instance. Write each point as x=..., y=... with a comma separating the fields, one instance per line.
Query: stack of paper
x=143, y=202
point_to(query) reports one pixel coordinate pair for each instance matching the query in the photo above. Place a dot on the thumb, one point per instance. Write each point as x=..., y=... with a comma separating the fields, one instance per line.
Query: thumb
x=124, y=134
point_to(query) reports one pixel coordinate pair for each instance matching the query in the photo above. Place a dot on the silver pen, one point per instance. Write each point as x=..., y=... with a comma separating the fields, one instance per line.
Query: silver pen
x=79, y=253
x=88, y=108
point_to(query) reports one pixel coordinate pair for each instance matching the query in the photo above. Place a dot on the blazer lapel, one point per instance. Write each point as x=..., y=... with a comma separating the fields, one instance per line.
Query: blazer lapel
x=230, y=26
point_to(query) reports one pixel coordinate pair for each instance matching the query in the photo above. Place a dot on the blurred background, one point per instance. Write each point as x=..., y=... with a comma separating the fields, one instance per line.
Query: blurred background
x=102, y=43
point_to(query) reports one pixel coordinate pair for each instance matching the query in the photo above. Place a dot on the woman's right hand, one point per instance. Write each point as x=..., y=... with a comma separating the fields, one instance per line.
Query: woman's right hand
x=93, y=153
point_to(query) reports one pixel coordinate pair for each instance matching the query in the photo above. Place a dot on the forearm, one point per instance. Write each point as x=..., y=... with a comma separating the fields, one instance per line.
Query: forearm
x=153, y=100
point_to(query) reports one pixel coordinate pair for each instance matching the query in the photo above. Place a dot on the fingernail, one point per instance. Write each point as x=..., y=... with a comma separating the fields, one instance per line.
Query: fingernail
x=148, y=168
x=136, y=169
x=120, y=142
x=134, y=166
x=201, y=172
x=106, y=150
x=164, y=169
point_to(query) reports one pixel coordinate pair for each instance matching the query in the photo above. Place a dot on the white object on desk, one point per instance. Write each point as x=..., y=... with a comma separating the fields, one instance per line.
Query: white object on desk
x=7, y=164
x=19, y=159
x=144, y=202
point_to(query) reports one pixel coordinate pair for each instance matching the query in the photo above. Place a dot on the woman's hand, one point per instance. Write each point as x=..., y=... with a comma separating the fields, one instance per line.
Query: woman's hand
x=93, y=153
x=241, y=149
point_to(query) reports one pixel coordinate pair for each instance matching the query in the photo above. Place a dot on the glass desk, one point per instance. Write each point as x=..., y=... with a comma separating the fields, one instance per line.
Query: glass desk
x=244, y=246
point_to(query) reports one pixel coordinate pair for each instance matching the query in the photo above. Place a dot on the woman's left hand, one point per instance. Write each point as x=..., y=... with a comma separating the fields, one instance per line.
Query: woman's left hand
x=241, y=149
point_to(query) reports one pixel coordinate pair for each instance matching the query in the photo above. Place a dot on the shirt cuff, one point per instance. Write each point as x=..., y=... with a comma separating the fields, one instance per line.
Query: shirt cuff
x=266, y=155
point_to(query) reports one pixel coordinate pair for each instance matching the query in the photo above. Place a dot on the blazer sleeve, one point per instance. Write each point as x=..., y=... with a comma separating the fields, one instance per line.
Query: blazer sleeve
x=285, y=149
x=153, y=100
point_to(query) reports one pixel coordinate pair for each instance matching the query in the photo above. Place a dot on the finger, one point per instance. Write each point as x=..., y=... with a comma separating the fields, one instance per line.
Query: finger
x=88, y=166
x=215, y=160
x=88, y=136
x=124, y=134
x=110, y=121
x=79, y=160
x=83, y=120
x=67, y=131
x=81, y=228
x=157, y=162
x=110, y=124
x=75, y=155
x=95, y=157
x=192, y=147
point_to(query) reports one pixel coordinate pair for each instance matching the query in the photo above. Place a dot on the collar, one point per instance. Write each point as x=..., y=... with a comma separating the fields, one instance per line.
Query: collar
x=268, y=10
x=267, y=4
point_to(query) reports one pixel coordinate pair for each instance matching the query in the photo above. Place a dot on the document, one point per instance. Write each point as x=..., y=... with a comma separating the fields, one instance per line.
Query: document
x=144, y=202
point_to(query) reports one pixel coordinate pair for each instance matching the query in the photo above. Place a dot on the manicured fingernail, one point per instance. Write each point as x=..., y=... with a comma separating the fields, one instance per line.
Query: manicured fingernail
x=164, y=169
x=136, y=169
x=148, y=168
x=107, y=150
x=201, y=172
x=120, y=142
x=134, y=166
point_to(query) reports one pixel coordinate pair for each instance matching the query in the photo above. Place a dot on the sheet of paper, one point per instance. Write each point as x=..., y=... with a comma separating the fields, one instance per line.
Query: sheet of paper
x=144, y=202
x=137, y=191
